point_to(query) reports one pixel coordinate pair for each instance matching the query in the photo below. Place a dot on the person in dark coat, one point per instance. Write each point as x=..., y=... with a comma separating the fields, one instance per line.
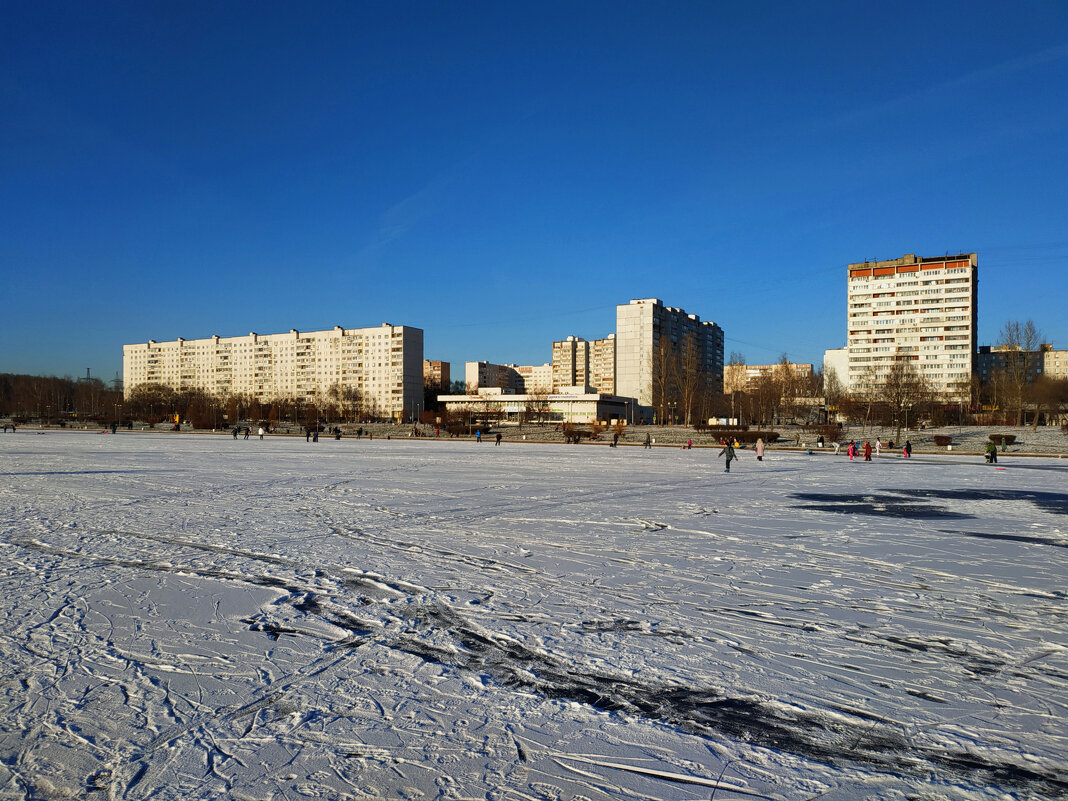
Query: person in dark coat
x=728, y=453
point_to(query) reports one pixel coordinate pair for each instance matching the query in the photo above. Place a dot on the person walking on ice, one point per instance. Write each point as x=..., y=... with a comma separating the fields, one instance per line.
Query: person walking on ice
x=759, y=448
x=728, y=453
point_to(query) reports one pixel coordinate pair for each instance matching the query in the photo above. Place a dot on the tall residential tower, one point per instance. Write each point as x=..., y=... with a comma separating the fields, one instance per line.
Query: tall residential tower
x=918, y=309
x=658, y=347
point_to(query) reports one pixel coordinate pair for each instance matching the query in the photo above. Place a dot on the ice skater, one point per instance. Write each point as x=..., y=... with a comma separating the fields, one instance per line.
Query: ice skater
x=991, y=453
x=728, y=453
x=759, y=448
x=867, y=451
x=907, y=450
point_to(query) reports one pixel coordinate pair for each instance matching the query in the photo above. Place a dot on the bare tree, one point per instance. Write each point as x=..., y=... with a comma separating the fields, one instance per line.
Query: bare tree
x=1018, y=349
x=902, y=389
x=691, y=376
x=734, y=390
x=665, y=374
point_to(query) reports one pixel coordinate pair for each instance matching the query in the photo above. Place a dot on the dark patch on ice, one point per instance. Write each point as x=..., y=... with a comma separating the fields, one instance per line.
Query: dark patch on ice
x=875, y=506
x=87, y=472
x=627, y=626
x=1053, y=502
x=986, y=535
x=706, y=711
x=270, y=628
x=919, y=503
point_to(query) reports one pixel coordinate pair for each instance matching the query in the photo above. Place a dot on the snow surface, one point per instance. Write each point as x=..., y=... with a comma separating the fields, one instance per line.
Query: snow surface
x=193, y=617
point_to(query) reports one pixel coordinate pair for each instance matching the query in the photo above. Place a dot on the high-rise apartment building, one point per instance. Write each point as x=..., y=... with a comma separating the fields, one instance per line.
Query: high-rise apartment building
x=602, y=364
x=921, y=310
x=649, y=337
x=385, y=364
x=578, y=363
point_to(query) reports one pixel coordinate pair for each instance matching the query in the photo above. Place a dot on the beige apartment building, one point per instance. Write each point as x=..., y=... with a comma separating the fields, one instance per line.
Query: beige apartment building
x=581, y=363
x=1055, y=363
x=920, y=309
x=385, y=364
x=437, y=374
x=515, y=377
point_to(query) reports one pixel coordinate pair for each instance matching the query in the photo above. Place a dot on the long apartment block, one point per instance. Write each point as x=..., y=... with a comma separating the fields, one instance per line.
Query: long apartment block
x=384, y=363
x=917, y=309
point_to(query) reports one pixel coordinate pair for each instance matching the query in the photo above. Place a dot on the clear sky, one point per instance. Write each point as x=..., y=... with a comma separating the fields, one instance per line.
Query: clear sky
x=503, y=174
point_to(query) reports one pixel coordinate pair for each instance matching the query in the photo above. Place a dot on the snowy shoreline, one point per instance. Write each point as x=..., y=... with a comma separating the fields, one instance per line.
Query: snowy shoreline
x=1045, y=441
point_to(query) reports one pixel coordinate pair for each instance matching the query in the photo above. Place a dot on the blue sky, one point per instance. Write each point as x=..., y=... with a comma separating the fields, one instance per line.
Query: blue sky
x=503, y=174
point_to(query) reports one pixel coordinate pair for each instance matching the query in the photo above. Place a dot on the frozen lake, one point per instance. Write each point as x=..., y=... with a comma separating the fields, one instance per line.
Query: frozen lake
x=194, y=617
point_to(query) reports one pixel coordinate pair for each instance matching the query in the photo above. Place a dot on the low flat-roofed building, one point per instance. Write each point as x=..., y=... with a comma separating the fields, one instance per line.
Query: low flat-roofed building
x=579, y=405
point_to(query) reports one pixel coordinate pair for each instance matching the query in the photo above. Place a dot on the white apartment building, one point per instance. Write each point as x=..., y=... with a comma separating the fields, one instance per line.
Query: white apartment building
x=836, y=362
x=385, y=364
x=923, y=310
x=646, y=329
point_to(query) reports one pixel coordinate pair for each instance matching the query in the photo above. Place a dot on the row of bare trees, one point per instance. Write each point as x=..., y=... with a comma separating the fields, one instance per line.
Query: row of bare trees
x=154, y=403
x=1015, y=390
x=48, y=398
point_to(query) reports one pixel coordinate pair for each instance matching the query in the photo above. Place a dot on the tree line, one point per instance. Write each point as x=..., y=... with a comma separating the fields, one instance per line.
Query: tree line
x=51, y=399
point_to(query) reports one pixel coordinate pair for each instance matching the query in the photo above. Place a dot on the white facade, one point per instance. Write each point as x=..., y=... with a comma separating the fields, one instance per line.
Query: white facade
x=385, y=364
x=641, y=325
x=922, y=310
x=536, y=377
x=836, y=362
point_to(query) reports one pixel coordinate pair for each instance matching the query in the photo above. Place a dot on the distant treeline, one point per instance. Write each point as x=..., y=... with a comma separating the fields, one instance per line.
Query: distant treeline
x=48, y=398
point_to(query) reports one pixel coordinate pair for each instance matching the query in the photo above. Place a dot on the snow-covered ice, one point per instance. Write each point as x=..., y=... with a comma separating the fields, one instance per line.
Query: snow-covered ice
x=194, y=617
